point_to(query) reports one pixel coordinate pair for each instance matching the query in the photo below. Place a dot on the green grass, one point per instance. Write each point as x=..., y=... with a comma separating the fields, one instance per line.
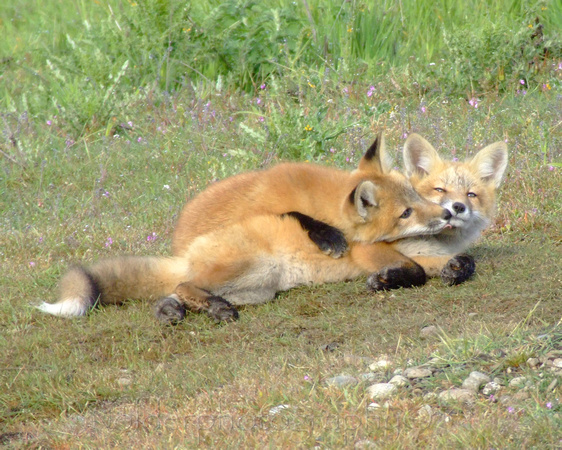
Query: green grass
x=108, y=174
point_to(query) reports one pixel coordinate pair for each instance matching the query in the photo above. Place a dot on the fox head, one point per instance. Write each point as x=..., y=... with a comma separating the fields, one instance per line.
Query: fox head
x=467, y=189
x=383, y=205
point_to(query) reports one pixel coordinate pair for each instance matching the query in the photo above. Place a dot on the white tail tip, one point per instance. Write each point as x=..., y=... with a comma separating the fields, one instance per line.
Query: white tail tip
x=70, y=307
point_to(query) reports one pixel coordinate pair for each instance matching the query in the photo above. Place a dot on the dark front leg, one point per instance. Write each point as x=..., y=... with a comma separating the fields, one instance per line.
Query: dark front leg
x=408, y=275
x=329, y=239
x=458, y=269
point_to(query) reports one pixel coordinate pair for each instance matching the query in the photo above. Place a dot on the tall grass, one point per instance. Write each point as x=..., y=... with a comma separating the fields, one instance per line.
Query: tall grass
x=87, y=62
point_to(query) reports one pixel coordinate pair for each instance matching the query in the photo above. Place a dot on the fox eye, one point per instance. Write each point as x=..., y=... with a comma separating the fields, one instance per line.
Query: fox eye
x=471, y=195
x=407, y=213
x=440, y=190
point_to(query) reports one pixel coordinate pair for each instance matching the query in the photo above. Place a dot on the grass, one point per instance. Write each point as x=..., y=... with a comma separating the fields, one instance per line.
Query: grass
x=75, y=188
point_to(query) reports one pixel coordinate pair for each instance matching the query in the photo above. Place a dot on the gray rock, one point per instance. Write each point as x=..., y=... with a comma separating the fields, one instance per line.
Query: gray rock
x=533, y=363
x=458, y=395
x=399, y=380
x=429, y=331
x=517, y=382
x=381, y=364
x=380, y=390
x=342, y=381
x=491, y=388
x=417, y=372
x=475, y=380
x=277, y=409
x=557, y=363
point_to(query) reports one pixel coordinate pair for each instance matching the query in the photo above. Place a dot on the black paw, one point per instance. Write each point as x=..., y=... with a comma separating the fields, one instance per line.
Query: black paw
x=329, y=239
x=396, y=277
x=169, y=311
x=458, y=269
x=221, y=310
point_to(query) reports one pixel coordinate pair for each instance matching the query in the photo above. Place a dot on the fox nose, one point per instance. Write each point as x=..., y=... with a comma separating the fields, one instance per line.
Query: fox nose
x=446, y=215
x=459, y=207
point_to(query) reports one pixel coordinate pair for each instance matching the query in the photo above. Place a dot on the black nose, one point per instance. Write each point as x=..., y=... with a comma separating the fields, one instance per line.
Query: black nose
x=446, y=215
x=459, y=207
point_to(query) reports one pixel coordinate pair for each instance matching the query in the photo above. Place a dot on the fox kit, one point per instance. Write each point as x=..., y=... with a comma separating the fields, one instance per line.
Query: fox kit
x=244, y=239
x=467, y=189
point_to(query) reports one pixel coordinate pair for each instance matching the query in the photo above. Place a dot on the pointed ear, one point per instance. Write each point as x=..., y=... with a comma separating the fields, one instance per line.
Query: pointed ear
x=376, y=158
x=419, y=156
x=363, y=198
x=490, y=162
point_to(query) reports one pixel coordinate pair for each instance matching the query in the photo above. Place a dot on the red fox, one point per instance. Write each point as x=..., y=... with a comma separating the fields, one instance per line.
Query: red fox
x=467, y=189
x=245, y=238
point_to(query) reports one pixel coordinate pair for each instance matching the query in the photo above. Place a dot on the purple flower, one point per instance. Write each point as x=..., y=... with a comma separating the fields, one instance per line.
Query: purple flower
x=263, y=86
x=151, y=237
x=404, y=135
x=130, y=123
x=455, y=158
x=511, y=409
x=31, y=264
x=522, y=82
x=261, y=119
x=306, y=378
x=473, y=102
x=550, y=168
x=105, y=194
x=549, y=405
x=49, y=122
x=371, y=91
x=258, y=101
x=423, y=109
x=108, y=242
x=139, y=139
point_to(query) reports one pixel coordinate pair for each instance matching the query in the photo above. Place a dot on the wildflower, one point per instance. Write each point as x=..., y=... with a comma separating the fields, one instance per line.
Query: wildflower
x=522, y=82
x=546, y=87
x=31, y=263
x=130, y=123
x=550, y=168
x=49, y=122
x=308, y=128
x=371, y=91
x=549, y=405
x=311, y=85
x=41, y=239
x=404, y=135
x=108, y=242
x=473, y=102
x=261, y=119
x=350, y=29
x=332, y=150
x=139, y=139
x=105, y=194
x=346, y=90
x=263, y=86
x=423, y=109
x=511, y=409
x=151, y=237
x=455, y=158
x=167, y=187
x=306, y=378
x=258, y=101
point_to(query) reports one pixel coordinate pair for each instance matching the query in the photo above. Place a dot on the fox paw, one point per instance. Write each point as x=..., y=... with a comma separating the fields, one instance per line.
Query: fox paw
x=458, y=269
x=169, y=311
x=329, y=240
x=221, y=310
x=397, y=277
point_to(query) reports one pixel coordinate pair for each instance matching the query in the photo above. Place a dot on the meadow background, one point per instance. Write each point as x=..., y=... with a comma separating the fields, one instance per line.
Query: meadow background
x=114, y=113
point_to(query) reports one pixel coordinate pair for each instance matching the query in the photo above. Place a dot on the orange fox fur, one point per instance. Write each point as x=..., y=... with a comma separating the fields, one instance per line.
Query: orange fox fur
x=235, y=242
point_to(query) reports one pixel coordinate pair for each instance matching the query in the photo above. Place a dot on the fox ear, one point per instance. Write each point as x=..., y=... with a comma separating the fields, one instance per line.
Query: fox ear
x=363, y=198
x=419, y=156
x=376, y=158
x=490, y=162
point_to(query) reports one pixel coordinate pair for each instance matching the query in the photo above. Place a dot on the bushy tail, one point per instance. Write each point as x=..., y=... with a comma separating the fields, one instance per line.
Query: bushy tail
x=115, y=280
